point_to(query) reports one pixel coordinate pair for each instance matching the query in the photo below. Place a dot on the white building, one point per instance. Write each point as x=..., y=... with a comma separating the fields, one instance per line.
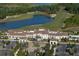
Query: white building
x=58, y=35
x=16, y=34
x=39, y=34
x=73, y=37
x=53, y=42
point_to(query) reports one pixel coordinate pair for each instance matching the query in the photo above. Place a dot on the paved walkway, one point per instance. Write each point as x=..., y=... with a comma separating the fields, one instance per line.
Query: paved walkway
x=54, y=53
x=15, y=54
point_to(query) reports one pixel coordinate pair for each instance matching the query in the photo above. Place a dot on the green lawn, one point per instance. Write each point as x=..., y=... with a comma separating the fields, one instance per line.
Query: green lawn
x=56, y=24
x=58, y=20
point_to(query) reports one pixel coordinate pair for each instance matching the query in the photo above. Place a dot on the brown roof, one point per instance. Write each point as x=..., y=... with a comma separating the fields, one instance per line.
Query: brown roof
x=17, y=32
x=59, y=34
x=42, y=32
x=23, y=32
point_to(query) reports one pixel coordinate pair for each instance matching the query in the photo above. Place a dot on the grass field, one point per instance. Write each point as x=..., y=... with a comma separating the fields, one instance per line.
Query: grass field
x=55, y=25
x=57, y=21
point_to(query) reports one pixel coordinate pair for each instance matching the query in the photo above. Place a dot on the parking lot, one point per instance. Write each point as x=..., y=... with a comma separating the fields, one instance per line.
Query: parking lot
x=61, y=50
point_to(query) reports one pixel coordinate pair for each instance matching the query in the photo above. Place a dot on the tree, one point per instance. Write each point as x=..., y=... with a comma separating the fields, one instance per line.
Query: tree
x=71, y=49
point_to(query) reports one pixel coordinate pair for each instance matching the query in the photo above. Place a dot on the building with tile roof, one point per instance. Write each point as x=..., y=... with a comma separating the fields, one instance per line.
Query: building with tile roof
x=38, y=34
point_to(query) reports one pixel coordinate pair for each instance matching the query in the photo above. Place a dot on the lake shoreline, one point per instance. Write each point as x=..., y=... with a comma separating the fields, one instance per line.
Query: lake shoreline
x=25, y=16
x=36, y=20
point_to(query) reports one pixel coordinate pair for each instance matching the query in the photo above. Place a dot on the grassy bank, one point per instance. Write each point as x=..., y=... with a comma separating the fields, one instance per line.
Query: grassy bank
x=18, y=17
x=24, y=16
x=56, y=24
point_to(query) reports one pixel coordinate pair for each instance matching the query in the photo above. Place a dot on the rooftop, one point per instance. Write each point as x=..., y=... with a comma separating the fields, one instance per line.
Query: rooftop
x=17, y=32
x=31, y=32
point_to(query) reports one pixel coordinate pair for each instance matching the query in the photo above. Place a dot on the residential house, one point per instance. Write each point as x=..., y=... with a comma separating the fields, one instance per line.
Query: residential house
x=39, y=34
x=73, y=37
x=17, y=34
x=58, y=35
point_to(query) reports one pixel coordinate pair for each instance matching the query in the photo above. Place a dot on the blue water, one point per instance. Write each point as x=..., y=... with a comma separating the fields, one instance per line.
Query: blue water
x=35, y=20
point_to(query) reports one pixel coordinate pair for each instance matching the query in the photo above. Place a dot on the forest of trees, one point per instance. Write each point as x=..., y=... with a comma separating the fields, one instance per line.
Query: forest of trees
x=72, y=8
x=6, y=10
x=24, y=8
x=16, y=9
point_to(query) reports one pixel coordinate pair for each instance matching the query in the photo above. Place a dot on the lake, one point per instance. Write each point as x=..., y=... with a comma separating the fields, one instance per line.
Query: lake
x=35, y=20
